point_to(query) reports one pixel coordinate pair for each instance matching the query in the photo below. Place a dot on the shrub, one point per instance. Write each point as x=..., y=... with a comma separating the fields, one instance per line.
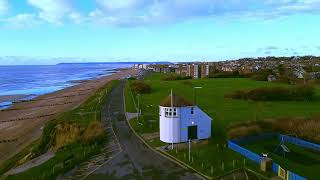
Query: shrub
x=140, y=87
x=297, y=93
x=302, y=127
x=243, y=131
x=262, y=75
x=187, y=82
x=234, y=74
x=94, y=133
x=174, y=77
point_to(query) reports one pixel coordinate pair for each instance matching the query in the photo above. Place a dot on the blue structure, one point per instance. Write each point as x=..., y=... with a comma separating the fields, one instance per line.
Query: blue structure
x=276, y=168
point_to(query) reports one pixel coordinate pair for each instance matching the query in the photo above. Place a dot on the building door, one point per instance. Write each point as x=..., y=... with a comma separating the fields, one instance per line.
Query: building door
x=192, y=132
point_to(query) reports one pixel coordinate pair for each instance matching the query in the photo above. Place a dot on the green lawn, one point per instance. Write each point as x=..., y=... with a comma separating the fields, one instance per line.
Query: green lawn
x=301, y=161
x=71, y=155
x=224, y=112
x=130, y=106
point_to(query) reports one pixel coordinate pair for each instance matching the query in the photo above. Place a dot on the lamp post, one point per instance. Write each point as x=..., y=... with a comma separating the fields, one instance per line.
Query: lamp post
x=189, y=149
x=195, y=93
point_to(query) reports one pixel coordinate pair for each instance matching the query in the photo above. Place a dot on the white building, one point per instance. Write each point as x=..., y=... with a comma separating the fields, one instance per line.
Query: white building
x=181, y=120
x=196, y=71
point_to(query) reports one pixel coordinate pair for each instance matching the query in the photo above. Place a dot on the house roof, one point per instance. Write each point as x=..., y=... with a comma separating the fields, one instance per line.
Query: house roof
x=177, y=101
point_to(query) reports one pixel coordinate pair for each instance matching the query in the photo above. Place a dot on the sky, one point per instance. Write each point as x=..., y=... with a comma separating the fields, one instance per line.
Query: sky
x=53, y=31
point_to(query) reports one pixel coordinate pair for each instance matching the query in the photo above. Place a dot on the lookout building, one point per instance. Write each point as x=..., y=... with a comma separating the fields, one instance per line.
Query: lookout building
x=181, y=120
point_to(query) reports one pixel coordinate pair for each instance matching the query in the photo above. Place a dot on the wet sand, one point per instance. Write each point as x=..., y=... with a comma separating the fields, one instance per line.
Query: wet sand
x=11, y=98
x=22, y=123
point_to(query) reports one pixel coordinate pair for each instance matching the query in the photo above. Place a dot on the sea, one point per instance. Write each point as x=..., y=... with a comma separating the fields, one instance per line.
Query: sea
x=30, y=81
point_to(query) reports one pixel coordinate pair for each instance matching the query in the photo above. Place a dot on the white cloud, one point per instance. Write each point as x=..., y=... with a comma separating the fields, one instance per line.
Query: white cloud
x=146, y=12
x=4, y=7
x=113, y=5
x=139, y=12
x=53, y=11
x=22, y=21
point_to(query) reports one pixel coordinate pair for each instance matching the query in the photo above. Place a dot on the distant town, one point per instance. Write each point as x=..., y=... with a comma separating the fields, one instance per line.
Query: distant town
x=289, y=69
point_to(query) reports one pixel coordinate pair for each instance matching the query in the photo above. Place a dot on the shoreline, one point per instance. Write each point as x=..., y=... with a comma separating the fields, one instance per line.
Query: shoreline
x=7, y=101
x=24, y=121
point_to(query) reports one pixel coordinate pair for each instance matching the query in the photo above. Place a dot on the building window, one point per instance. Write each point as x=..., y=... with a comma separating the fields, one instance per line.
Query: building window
x=192, y=110
x=170, y=112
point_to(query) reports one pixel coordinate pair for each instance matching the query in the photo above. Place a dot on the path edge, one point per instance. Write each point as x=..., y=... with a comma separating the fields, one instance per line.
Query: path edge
x=162, y=153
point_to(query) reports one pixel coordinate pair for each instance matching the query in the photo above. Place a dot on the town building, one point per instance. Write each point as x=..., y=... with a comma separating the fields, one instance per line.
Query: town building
x=181, y=120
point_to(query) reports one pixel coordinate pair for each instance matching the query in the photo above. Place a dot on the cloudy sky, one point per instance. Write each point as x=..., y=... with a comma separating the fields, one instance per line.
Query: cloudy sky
x=50, y=31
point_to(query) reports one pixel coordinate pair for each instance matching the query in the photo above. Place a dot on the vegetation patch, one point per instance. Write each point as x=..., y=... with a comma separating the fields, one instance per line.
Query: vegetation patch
x=297, y=93
x=262, y=75
x=75, y=135
x=305, y=128
x=140, y=87
x=175, y=77
x=226, y=113
x=233, y=74
x=299, y=160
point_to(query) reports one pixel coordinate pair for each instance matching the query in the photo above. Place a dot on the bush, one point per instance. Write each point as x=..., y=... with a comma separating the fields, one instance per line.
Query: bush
x=234, y=74
x=94, y=133
x=140, y=87
x=298, y=93
x=262, y=75
x=187, y=82
x=302, y=127
x=174, y=77
x=243, y=131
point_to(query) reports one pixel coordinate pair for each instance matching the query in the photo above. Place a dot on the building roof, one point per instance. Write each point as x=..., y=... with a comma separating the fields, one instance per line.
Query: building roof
x=177, y=101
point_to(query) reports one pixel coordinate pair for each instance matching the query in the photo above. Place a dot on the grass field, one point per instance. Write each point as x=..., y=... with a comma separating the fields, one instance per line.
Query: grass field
x=304, y=162
x=223, y=111
x=70, y=154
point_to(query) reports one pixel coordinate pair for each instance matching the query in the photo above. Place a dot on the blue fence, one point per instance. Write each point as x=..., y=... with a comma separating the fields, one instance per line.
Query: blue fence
x=253, y=156
x=293, y=176
x=256, y=158
x=300, y=142
x=275, y=167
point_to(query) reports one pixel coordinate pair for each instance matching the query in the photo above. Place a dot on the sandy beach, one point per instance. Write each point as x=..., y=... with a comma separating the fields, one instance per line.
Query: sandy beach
x=22, y=123
x=11, y=98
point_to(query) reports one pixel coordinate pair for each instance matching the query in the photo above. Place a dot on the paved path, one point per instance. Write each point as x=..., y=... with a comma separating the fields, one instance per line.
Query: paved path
x=131, y=115
x=32, y=163
x=135, y=160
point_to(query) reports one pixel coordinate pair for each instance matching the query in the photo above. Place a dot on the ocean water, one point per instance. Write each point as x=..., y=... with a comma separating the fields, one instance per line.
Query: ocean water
x=42, y=79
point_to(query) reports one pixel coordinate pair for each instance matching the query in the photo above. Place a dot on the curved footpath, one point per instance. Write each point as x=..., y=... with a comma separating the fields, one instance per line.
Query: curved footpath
x=22, y=123
x=136, y=160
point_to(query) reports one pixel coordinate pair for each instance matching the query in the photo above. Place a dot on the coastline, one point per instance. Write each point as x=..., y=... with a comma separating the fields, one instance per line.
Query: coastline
x=7, y=100
x=22, y=123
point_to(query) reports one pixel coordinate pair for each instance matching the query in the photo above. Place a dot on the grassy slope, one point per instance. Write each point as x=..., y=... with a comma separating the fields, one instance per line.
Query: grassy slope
x=299, y=160
x=223, y=111
x=130, y=106
x=78, y=151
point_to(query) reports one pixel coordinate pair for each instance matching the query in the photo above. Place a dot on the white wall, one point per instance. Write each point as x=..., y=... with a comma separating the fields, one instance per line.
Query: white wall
x=169, y=127
x=175, y=130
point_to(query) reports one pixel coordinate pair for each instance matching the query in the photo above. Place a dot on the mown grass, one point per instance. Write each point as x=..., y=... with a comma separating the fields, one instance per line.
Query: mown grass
x=224, y=111
x=219, y=160
x=130, y=106
x=300, y=160
x=72, y=153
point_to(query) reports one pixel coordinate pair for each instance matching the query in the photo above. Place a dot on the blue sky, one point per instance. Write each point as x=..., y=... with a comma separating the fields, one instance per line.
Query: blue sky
x=52, y=31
